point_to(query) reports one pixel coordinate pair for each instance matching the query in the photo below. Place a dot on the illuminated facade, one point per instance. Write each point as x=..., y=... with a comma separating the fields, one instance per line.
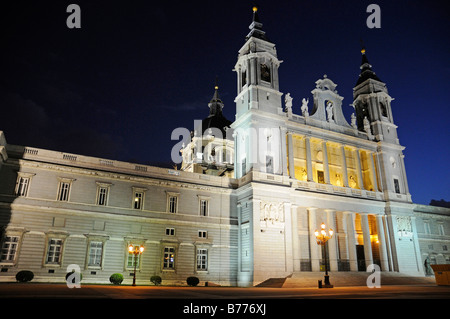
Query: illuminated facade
x=244, y=206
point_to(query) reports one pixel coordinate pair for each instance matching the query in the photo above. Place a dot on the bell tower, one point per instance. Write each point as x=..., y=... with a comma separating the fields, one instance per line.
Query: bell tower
x=257, y=72
x=258, y=102
x=372, y=104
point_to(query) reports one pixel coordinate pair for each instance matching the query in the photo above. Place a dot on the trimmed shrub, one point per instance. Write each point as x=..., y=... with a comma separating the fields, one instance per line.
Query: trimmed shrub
x=116, y=279
x=192, y=281
x=73, y=279
x=156, y=280
x=24, y=276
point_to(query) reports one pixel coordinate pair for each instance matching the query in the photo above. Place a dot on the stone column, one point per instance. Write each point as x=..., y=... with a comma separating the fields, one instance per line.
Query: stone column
x=372, y=170
x=309, y=170
x=358, y=169
x=366, y=237
x=351, y=241
x=332, y=243
x=326, y=170
x=283, y=153
x=295, y=239
x=344, y=166
x=382, y=244
x=291, y=155
x=313, y=247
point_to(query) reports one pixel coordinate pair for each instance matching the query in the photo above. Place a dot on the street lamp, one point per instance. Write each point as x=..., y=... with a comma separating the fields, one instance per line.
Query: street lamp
x=322, y=238
x=136, y=251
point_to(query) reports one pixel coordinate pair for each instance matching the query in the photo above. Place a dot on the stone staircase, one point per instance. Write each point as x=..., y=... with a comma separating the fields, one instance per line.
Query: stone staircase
x=352, y=278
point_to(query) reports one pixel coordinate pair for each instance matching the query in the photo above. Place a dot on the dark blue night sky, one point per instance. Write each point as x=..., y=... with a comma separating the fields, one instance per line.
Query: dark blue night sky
x=136, y=70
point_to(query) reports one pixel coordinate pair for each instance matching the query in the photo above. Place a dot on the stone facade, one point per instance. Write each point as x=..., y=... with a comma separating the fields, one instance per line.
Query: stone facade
x=241, y=213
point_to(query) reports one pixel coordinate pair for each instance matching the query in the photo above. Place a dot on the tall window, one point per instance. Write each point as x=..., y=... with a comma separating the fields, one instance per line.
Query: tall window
x=54, y=251
x=269, y=164
x=138, y=198
x=427, y=229
x=204, y=206
x=172, y=202
x=95, y=253
x=265, y=72
x=396, y=186
x=22, y=186
x=102, y=195
x=132, y=258
x=9, y=248
x=244, y=78
x=169, y=258
x=63, y=191
x=202, y=259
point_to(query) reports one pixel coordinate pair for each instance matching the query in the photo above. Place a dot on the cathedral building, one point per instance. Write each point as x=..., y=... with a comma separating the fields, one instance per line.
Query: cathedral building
x=246, y=203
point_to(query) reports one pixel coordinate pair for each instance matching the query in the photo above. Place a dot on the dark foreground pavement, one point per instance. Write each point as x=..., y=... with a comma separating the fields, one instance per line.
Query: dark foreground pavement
x=61, y=291
x=105, y=301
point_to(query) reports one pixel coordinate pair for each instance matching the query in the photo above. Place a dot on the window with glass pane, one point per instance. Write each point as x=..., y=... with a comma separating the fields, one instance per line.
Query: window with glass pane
x=63, y=193
x=172, y=204
x=95, y=253
x=132, y=258
x=138, y=200
x=102, y=195
x=169, y=258
x=9, y=248
x=203, y=207
x=22, y=187
x=202, y=259
x=54, y=251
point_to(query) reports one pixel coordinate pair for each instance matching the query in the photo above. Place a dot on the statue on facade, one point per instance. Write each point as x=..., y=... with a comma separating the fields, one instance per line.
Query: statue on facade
x=367, y=128
x=353, y=121
x=305, y=107
x=330, y=111
x=288, y=103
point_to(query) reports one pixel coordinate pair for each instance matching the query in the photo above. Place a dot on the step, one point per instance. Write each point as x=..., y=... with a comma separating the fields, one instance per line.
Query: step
x=350, y=278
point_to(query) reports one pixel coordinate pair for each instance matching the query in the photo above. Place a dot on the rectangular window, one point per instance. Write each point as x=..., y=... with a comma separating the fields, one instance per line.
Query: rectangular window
x=102, y=195
x=269, y=164
x=244, y=166
x=138, y=197
x=426, y=226
x=95, y=253
x=173, y=204
x=170, y=231
x=396, y=186
x=202, y=259
x=63, y=191
x=9, y=248
x=244, y=78
x=132, y=258
x=320, y=177
x=54, y=251
x=441, y=229
x=204, y=205
x=22, y=186
x=169, y=258
x=202, y=234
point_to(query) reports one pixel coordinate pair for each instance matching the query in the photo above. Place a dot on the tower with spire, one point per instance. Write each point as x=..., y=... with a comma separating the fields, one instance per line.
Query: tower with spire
x=372, y=104
x=258, y=99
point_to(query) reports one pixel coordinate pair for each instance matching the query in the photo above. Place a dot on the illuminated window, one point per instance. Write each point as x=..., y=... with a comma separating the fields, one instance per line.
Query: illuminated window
x=54, y=251
x=9, y=248
x=202, y=259
x=138, y=197
x=169, y=258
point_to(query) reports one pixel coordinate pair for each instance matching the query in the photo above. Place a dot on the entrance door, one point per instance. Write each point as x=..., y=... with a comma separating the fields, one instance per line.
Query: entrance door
x=360, y=258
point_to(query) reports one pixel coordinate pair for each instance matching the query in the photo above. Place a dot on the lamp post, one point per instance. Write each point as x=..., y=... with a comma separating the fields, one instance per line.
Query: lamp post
x=136, y=251
x=322, y=238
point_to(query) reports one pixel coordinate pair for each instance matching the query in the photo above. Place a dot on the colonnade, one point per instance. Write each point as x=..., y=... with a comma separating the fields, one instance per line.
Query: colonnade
x=326, y=170
x=352, y=232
